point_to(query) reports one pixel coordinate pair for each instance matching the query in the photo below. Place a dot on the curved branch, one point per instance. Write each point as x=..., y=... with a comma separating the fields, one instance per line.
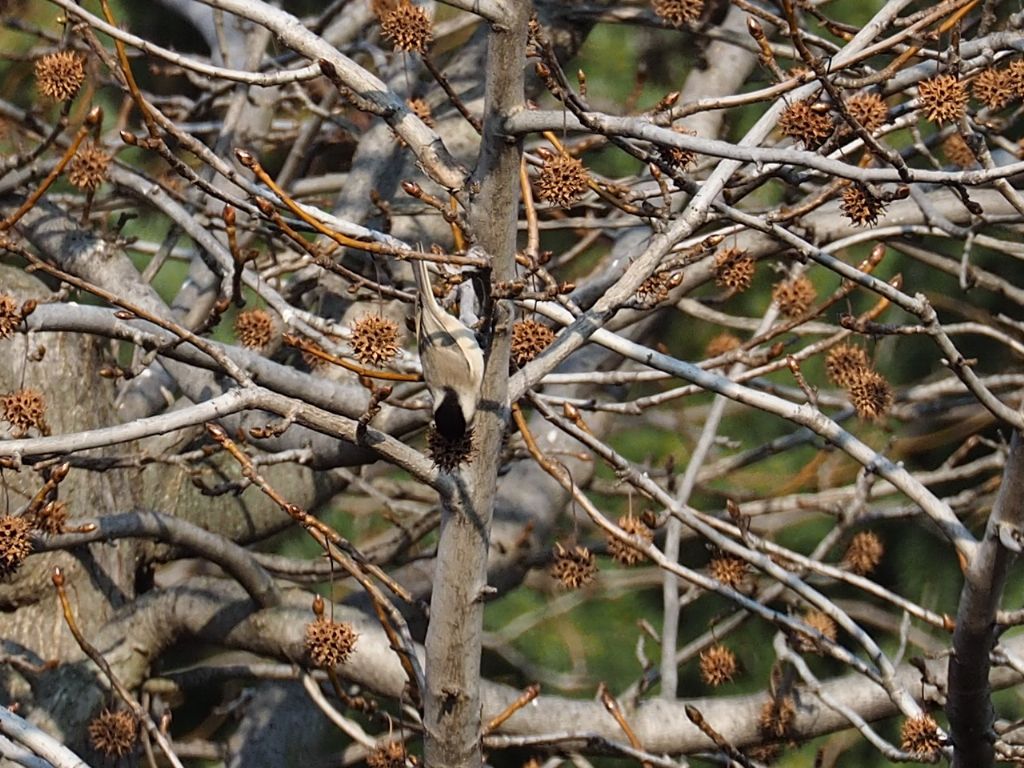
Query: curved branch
x=20, y=731
x=234, y=559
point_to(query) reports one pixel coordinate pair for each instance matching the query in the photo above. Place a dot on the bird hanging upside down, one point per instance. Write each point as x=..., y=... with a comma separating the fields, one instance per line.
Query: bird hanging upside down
x=452, y=361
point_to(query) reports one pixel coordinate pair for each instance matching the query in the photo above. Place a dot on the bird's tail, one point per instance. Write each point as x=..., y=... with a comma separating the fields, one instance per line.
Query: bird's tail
x=423, y=286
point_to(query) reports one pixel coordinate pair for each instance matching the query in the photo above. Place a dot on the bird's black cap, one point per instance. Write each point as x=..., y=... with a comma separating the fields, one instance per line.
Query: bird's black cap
x=448, y=417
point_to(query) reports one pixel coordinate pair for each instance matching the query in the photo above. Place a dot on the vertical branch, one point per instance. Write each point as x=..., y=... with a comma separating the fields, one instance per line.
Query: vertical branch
x=969, y=705
x=670, y=581
x=674, y=528
x=452, y=716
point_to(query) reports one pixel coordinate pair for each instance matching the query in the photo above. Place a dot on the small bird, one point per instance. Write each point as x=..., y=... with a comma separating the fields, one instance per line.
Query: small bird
x=453, y=363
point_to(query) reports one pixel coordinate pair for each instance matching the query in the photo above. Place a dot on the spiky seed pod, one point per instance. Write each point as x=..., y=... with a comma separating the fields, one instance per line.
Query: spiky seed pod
x=860, y=206
x=113, y=734
x=806, y=123
x=993, y=87
x=313, y=363
x=15, y=544
x=52, y=518
x=679, y=13
x=574, y=568
x=943, y=98
x=844, y=363
x=529, y=339
x=920, y=737
x=958, y=151
x=10, y=315
x=717, y=665
x=254, y=328
x=655, y=289
x=765, y=753
x=871, y=395
x=721, y=344
x=777, y=715
x=729, y=570
x=864, y=553
x=805, y=643
x=869, y=109
x=59, y=75
x=374, y=340
x=733, y=269
x=88, y=168
x=408, y=27
x=23, y=410
x=795, y=296
x=562, y=180
x=446, y=454
x=390, y=755
x=421, y=109
x=1016, y=70
x=329, y=643
x=622, y=552
x=677, y=156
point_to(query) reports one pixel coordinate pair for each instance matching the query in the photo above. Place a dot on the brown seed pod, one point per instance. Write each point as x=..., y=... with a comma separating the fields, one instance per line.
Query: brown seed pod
x=329, y=643
x=729, y=570
x=24, y=410
x=993, y=87
x=717, y=665
x=254, y=328
x=574, y=568
x=844, y=363
x=390, y=755
x=721, y=344
x=421, y=109
x=795, y=296
x=943, y=98
x=860, y=206
x=777, y=714
x=15, y=543
x=620, y=551
x=655, y=289
x=312, y=361
x=408, y=27
x=562, y=180
x=920, y=737
x=529, y=339
x=734, y=269
x=10, y=315
x=88, y=168
x=114, y=734
x=806, y=643
x=677, y=156
x=374, y=340
x=1016, y=70
x=679, y=13
x=871, y=395
x=765, y=753
x=958, y=151
x=869, y=109
x=864, y=553
x=805, y=122
x=59, y=75
x=52, y=518
x=446, y=454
